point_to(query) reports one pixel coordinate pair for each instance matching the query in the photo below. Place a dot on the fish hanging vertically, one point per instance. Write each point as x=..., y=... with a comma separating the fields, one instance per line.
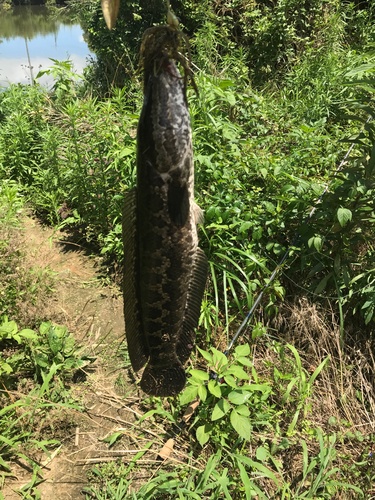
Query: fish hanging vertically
x=164, y=269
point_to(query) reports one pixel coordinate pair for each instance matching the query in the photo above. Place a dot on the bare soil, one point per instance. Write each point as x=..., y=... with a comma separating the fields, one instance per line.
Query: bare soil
x=92, y=311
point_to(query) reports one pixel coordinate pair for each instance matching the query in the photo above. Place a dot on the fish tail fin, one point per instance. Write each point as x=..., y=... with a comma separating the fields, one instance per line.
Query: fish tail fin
x=163, y=381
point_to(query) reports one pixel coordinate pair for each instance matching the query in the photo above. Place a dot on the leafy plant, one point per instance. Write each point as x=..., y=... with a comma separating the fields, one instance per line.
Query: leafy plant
x=51, y=347
x=63, y=75
x=55, y=346
x=226, y=400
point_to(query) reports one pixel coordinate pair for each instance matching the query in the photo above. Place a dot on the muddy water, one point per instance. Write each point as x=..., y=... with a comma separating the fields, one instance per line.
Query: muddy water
x=32, y=35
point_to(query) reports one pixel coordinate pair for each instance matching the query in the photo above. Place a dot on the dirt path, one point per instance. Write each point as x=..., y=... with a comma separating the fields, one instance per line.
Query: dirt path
x=92, y=311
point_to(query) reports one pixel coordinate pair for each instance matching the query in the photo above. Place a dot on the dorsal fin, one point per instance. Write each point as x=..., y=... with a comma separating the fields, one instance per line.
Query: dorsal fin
x=137, y=345
x=193, y=306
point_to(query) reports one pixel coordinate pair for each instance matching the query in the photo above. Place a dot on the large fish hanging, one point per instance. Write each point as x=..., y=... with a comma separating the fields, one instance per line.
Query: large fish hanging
x=164, y=269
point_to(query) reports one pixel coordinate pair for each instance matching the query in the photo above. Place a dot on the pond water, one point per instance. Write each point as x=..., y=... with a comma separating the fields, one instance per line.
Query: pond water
x=36, y=32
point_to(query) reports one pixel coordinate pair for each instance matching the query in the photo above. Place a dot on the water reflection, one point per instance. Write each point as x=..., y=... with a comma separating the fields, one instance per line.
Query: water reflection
x=31, y=21
x=45, y=35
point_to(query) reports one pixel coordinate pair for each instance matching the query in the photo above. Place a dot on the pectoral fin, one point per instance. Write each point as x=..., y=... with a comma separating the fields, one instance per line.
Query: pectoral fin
x=137, y=345
x=193, y=306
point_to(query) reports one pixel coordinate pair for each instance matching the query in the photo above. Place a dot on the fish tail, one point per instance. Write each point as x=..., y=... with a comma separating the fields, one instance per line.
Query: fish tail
x=163, y=381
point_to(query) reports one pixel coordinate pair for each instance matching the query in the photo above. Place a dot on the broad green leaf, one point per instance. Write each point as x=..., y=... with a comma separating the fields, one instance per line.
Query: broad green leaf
x=203, y=433
x=323, y=283
x=202, y=392
x=70, y=363
x=199, y=374
x=244, y=361
x=332, y=420
x=369, y=315
x=68, y=345
x=41, y=359
x=207, y=356
x=61, y=331
x=125, y=152
x=344, y=215
x=231, y=381
x=262, y=454
x=8, y=327
x=5, y=368
x=286, y=188
x=188, y=395
x=214, y=388
x=367, y=304
x=243, y=410
x=318, y=243
x=245, y=226
x=243, y=350
x=219, y=359
x=210, y=213
x=55, y=342
x=230, y=98
x=241, y=424
x=59, y=358
x=220, y=409
x=28, y=334
x=239, y=397
x=45, y=327
x=238, y=372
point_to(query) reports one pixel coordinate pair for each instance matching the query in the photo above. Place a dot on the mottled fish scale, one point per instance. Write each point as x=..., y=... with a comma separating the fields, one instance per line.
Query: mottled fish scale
x=164, y=270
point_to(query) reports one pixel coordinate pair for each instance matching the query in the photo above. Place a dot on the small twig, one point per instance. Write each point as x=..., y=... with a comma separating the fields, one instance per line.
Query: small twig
x=83, y=310
x=110, y=459
x=75, y=452
x=70, y=243
x=125, y=451
x=76, y=442
x=49, y=459
x=120, y=421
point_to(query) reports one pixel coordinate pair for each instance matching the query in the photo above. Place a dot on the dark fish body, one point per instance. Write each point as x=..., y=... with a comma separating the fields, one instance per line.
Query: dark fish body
x=164, y=270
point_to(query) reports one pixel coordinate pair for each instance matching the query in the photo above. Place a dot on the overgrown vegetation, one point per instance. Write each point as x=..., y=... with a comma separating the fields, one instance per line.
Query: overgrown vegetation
x=284, y=89
x=35, y=366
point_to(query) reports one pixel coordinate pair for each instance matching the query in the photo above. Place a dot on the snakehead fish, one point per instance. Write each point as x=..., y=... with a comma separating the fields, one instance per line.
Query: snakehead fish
x=164, y=269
